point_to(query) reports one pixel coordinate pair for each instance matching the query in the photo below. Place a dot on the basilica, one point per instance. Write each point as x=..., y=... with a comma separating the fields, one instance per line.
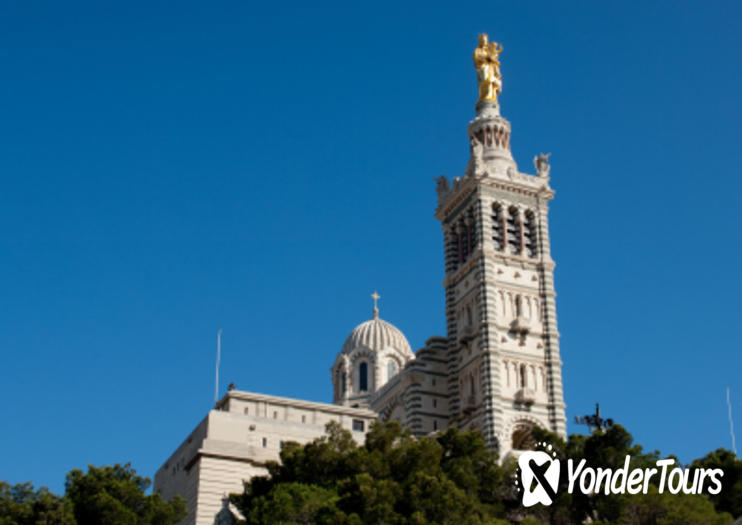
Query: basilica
x=497, y=369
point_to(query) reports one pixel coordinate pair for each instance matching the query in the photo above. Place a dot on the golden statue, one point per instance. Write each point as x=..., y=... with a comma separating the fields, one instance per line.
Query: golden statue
x=487, y=64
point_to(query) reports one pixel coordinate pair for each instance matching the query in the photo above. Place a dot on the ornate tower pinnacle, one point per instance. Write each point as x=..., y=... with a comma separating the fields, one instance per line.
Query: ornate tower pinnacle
x=375, y=296
x=489, y=133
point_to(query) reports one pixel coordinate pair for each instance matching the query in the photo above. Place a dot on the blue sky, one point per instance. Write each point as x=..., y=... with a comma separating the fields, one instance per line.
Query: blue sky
x=169, y=169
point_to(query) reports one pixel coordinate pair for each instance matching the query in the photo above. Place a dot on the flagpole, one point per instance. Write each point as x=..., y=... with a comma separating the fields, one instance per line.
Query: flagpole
x=218, y=356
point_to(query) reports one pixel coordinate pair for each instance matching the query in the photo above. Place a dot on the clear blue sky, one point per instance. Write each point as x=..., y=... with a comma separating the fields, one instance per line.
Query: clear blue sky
x=169, y=169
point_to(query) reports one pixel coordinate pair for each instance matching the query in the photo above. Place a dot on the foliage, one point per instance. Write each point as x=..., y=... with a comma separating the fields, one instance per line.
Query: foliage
x=22, y=505
x=295, y=503
x=116, y=496
x=608, y=449
x=730, y=498
x=102, y=496
x=669, y=509
x=394, y=478
x=452, y=478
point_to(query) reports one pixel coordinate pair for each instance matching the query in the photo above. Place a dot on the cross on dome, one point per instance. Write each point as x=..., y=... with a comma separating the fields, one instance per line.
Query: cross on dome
x=375, y=296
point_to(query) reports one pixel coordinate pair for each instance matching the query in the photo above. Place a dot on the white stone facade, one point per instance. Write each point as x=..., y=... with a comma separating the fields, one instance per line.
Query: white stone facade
x=235, y=440
x=497, y=370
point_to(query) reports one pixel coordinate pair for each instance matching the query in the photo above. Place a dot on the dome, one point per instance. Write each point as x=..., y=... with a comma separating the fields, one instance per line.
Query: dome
x=376, y=335
x=372, y=355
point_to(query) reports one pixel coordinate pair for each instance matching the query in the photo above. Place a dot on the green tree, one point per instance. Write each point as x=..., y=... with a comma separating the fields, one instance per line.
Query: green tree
x=730, y=497
x=670, y=509
x=116, y=496
x=294, y=503
x=452, y=478
x=608, y=449
x=22, y=505
x=394, y=478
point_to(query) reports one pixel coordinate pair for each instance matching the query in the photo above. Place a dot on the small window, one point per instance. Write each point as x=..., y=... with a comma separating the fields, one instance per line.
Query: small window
x=247, y=411
x=358, y=425
x=435, y=425
x=391, y=369
x=464, y=242
x=513, y=230
x=265, y=442
x=497, y=227
x=435, y=403
x=432, y=381
x=472, y=231
x=452, y=240
x=529, y=234
x=363, y=372
x=275, y=414
x=303, y=419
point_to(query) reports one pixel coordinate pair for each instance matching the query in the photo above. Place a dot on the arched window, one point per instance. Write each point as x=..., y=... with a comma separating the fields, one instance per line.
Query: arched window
x=471, y=231
x=453, y=246
x=391, y=369
x=513, y=230
x=363, y=379
x=523, y=438
x=464, y=241
x=529, y=234
x=497, y=227
x=463, y=237
x=459, y=247
x=523, y=382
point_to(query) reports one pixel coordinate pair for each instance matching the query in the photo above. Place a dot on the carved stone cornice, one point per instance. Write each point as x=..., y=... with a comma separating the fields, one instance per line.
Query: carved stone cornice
x=514, y=183
x=521, y=183
x=458, y=194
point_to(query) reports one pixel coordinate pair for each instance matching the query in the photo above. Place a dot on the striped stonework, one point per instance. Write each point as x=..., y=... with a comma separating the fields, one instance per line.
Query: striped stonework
x=503, y=345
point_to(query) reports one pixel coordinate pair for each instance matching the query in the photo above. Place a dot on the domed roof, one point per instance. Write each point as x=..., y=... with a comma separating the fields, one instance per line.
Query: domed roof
x=376, y=335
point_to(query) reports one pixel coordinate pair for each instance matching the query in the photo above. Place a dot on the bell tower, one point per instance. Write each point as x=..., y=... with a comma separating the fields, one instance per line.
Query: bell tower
x=504, y=368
